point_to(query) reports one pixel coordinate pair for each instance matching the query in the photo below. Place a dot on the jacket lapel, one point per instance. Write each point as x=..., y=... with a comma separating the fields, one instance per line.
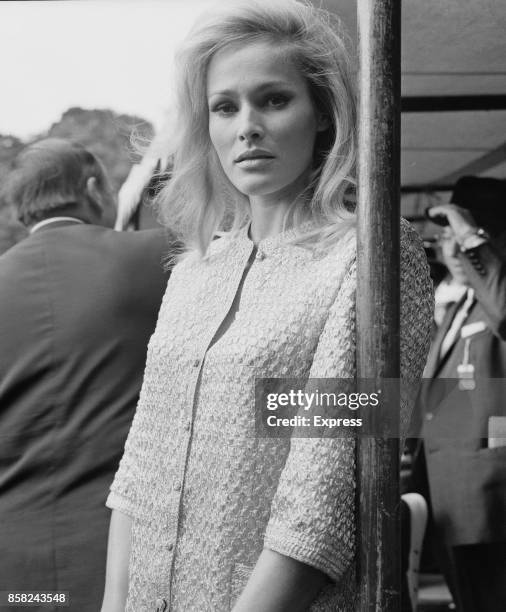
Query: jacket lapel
x=433, y=359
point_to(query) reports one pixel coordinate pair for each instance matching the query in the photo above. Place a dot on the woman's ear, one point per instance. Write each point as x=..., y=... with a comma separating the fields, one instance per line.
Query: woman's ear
x=322, y=122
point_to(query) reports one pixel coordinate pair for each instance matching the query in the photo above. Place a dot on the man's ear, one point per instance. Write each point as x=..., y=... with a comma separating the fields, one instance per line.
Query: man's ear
x=94, y=195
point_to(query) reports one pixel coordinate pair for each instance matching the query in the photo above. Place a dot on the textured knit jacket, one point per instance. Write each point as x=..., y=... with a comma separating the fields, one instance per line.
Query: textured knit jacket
x=205, y=493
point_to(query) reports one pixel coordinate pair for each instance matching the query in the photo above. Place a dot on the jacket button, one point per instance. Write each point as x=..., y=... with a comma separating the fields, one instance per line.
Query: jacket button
x=196, y=363
x=170, y=546
x=429, y=416
x=177, y=486
x=161, y=605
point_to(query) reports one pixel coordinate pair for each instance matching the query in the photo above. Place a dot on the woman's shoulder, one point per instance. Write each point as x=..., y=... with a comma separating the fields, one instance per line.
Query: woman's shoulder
x=337, y=242
x=410, y=238
x=346, y=241
x=414, y=268
x=220, y=243
x=417, y=289
x=193, y=259
x=413, y=258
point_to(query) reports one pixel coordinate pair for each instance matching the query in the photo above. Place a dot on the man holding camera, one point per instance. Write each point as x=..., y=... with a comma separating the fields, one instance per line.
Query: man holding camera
x=464, y=407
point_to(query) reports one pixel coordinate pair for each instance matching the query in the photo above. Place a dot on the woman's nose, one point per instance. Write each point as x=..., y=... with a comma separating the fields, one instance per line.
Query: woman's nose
x=250, y=127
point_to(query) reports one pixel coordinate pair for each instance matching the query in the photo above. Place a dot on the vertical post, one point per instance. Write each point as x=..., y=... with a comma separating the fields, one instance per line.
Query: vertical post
x=378, y=293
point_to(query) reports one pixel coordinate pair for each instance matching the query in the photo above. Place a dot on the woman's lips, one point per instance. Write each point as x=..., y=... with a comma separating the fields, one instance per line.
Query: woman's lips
x=254, y=163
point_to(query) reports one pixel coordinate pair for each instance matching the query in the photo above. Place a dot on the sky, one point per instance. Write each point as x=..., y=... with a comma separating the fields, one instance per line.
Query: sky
x=113, y=54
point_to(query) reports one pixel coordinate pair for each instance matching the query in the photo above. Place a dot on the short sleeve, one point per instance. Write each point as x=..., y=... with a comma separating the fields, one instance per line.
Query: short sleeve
x=313, y=512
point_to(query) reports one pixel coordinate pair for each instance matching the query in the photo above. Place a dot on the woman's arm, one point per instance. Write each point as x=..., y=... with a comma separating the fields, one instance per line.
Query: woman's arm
x=312, y=515
x=118, y=555
x=279, y=583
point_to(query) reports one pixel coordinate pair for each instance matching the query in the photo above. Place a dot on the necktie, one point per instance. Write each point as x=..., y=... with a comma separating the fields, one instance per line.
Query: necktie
x=458, y=320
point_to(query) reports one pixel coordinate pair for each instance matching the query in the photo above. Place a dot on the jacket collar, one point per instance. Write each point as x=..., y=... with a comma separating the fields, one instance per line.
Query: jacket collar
x=55, y=220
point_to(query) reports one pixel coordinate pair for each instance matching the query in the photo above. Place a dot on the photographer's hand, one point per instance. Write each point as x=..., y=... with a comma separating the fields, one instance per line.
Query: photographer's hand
x=460, y=220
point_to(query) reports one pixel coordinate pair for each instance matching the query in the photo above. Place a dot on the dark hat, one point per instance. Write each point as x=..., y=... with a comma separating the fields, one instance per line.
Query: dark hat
x=485, y=199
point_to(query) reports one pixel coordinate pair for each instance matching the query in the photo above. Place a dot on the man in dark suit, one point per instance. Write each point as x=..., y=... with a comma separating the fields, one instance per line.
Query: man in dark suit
x=78, y=303
x=465, y=400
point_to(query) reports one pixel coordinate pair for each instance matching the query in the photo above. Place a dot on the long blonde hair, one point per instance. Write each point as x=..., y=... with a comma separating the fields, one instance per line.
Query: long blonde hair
x=199, y=196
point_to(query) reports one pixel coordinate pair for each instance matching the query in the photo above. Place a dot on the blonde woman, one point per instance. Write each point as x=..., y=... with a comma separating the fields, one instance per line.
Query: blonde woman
x=207, y=516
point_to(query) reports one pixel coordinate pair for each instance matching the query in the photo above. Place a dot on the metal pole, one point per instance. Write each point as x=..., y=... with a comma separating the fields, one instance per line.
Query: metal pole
x=378, y=294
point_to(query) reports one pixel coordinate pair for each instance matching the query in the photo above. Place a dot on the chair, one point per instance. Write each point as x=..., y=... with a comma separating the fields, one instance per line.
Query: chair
x=418, y=513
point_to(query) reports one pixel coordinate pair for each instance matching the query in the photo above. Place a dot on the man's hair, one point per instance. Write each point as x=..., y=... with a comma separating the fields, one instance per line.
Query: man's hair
x=51, y=174
x=195, y=201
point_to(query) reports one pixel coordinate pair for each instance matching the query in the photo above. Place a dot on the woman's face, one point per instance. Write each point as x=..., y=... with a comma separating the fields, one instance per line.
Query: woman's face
x=262, y=121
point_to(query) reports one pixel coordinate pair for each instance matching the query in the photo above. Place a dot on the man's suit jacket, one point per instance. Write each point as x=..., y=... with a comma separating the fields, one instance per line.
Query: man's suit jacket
x=78, y=304
x=467, y=479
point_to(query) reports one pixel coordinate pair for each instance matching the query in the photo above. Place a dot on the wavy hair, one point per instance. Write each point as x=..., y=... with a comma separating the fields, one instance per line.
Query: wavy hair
x=199, y=199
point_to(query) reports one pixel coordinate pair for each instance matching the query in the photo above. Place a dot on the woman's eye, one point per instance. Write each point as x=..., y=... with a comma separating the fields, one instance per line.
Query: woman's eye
x=223, y=108
x=277, y=101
